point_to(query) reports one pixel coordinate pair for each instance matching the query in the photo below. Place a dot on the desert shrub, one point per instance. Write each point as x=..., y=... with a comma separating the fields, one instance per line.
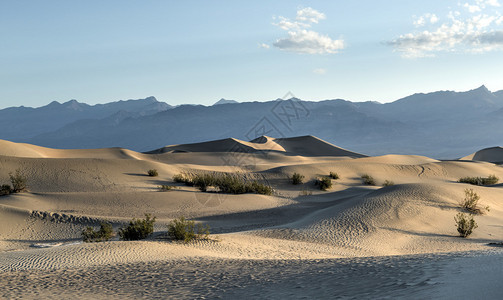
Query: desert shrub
x=471, y=201
x=334, y=175
x=165, y=188
x=181, y=178
x=5, y=189
x=225, y=183
x=152, y=173
x=18, y=182
x=490, y=180
x=138, y=229
x=465, y=224
x=105, y=233
x=297, y=178
x=388, y=183
x=368, y=180
x=185, y=230
x=323, y=183
x=259, y=188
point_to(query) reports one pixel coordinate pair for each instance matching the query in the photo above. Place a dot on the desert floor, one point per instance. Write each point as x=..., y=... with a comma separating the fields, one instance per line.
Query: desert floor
x=351, y=241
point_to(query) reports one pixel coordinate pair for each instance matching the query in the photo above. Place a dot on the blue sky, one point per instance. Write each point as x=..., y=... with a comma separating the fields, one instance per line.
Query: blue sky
x=201, y=51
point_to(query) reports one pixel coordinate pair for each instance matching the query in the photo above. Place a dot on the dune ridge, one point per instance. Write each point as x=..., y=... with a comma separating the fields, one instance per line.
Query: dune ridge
x=71, y=189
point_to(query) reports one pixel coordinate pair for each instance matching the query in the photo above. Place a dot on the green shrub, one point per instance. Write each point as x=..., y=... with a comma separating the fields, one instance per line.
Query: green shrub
x=138, y=229
x=185, y=230
x=388, y=183
x=334, y=175
x=105, y=233
x=5, y=189
x=18, y=182
x=225, y=183
x=297, y=178
x=165, y=188
x=465, y=224
x=368, y=180
x=490, y=180
x=152, y=173
x=323, y=183
x=471, y=201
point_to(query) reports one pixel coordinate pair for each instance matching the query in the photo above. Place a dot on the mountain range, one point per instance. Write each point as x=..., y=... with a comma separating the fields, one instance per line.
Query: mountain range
x=442, y=124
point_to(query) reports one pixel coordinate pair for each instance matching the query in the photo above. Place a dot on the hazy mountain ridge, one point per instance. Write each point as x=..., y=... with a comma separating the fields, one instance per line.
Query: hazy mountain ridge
x=22, y=123
x=441, y=124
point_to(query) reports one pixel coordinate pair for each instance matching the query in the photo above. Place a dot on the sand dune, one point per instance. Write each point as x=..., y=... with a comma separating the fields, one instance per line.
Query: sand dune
x=493, y=155
x=70, y=189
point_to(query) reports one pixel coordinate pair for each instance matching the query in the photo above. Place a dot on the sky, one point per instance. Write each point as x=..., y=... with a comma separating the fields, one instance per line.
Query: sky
x=196, y=52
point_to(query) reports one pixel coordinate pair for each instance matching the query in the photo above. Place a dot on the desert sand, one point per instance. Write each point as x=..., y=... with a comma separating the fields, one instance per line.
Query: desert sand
x=351, y=241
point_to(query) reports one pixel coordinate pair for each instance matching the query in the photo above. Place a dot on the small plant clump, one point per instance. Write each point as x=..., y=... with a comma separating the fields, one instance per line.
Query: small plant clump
x=5, y=189
x=138, y=229
x=105, y=233
x=305, y=192
x=465, y=224
x=224, y=183
x=471, y=201
x=334, y=175
x=323, y=183
x=165, y=188
x=368, y=180
x=186, y=231
x=490, y=180
x=18, y=182
x=388, y=183
x=152, y=173
x=297, y=178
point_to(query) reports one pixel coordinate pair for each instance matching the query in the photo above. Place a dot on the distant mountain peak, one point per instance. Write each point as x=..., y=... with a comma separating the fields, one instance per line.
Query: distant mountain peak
x=225, y=101
x=481, y=89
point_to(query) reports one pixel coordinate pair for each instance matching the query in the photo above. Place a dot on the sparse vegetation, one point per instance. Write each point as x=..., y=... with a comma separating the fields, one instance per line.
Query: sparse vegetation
x=186, y=230
x=18, y=182
x=138, y=229
x=490, y=180
x=105, y=233
x=297, y=178
x=368, y=180
x=5, y=189
x=334, y=175
x=471, y=201
x=305, y=192
x=224, y=183
x=323, y=183
x=152, y=173
x=465, y=224
x=388, y=183
x=165, y=188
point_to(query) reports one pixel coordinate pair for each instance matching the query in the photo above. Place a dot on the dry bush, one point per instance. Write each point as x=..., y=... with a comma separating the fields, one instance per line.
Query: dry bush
x=323, y=183
x=490, y=180
x=297, y=178
x=152, y=173
x=138, y=229
x=105, y=233
x=471, y=202
x=368, y=180
x=465, y=224
x=185, y=230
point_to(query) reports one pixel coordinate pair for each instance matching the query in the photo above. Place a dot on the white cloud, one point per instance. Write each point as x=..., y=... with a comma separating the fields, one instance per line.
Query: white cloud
x=263, y=45
x=309, y=15
x=472, y=8
x=478, y=33
x=320, y=71
x=309, y=42
x=301, y=39
x=422, y=20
